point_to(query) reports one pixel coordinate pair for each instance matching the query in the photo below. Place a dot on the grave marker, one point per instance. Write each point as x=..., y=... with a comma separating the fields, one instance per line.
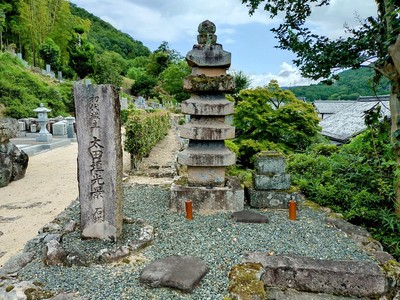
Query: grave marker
x=99, y=160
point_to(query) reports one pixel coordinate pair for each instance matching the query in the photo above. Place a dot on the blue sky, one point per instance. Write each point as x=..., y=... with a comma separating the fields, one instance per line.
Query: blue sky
x=247, y=38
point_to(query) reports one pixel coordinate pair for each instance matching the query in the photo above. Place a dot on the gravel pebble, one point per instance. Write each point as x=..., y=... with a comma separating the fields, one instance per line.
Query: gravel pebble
x=215, y=238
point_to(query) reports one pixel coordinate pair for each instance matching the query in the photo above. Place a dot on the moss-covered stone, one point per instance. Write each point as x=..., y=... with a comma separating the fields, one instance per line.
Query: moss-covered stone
x=37, y=294
x=9, y=288
x=245, y=281
x=205, y=84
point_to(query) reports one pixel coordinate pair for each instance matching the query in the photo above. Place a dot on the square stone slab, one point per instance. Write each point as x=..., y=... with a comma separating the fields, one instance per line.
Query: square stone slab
x=180, y=272
x=249, y=216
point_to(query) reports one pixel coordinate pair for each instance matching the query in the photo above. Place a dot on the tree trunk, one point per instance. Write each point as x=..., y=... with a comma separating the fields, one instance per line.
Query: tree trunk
x=394, y=51
x=395, y=118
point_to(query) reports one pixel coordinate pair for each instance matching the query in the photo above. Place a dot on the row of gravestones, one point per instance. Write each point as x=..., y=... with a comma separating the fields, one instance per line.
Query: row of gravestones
x=58, y=127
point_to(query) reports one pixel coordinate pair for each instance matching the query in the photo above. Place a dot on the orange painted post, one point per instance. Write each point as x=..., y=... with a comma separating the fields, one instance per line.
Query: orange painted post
x=189, y=209
x=292, y=210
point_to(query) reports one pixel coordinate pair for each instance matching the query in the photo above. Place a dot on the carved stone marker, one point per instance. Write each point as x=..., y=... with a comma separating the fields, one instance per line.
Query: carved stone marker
x=99, y=160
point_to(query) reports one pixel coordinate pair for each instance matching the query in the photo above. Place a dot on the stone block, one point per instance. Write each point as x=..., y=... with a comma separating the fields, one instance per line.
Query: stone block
x=206, y=176
x=269, y=162
x=228, y=198
x=206, y=105
x=206, y=156
x=345, y=278
x=205, y=55
x=60, y=129
x=207, y=132
x=179, y=272
x=33, y=128
x=99, y=160
x=271, y=199
x=204, y=84
x=274, y=182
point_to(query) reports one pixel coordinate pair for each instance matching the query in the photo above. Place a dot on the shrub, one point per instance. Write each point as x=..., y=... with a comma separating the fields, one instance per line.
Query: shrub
x=357, y=180
x=143, y=130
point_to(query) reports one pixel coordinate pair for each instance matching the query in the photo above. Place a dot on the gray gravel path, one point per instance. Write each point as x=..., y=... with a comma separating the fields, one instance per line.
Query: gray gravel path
x=215, y=238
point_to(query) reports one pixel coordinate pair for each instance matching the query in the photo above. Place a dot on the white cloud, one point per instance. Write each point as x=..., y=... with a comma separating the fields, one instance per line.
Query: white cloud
x=288, y=76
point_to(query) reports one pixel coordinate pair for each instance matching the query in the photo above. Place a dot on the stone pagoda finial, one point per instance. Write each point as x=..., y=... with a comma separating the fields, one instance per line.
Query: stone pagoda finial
x=206, y=33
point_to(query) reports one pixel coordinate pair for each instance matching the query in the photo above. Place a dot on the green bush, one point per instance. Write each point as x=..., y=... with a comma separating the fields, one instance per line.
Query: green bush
x=143, y=130
x=357, y=180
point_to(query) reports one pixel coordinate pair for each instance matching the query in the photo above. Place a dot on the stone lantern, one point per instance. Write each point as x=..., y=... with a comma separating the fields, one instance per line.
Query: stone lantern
x=206, y=156
x=44, y=135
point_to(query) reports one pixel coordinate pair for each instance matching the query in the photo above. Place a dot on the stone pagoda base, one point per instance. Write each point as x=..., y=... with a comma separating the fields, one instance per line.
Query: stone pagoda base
x=228, y=198
x=271, y=199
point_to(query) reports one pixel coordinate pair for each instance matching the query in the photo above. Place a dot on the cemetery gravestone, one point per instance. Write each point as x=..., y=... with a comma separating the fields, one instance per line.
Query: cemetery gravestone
x=99, y=160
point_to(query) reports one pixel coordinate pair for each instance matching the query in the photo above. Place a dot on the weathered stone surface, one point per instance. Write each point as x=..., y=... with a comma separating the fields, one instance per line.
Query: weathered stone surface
x=271, y=182
x=13, y=163
x=204, y=84
x=19, y=163
x=271, y=199
x=179, y=272
x=210, y=132
x=205, y=176
x=16, y=263
x=8, y=129
x=290, y=294
x=348, y=227
x=145, y=239
x=70, y=226
x=107, y=256
x=5, y=164
x=346, y=278
x=203, y=155
x=229, y=197
x=54, y=254
x=21, y=290
x=99, y=160
x=269, y=162
x=206, y=105
x=208, y=56
x=249, y=216
x=78, y=259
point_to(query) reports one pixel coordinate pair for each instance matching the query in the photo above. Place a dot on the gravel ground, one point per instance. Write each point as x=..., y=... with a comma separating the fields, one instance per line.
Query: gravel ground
x=215, y=238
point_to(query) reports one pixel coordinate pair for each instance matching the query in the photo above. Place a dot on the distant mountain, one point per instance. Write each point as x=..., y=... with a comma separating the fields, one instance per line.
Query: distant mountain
x=351, y=85
x=104, y=37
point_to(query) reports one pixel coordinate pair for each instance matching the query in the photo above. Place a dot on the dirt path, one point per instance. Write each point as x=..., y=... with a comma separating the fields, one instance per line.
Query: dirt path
x=50, y=185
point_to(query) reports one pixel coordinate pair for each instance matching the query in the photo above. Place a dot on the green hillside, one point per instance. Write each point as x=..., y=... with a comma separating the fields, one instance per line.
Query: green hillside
x=22, y=90
x=351, y=85
x=104, y=37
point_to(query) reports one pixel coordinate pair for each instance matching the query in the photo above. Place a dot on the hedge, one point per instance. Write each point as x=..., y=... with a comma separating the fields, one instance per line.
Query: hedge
x=143, y=130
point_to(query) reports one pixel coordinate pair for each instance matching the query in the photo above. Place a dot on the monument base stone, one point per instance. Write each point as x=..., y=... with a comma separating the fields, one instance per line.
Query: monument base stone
x=228, y=198
x=271, y=199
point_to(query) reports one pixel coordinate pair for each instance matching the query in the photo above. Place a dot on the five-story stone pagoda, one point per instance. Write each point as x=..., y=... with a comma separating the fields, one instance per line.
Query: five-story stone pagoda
x=206, y=155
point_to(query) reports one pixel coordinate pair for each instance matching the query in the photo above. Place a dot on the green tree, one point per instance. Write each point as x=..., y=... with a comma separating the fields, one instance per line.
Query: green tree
x=171, y=80
x=377, y=39
x=81, y=54
x=108, y=68
x=50, y=53
x=135, y=73
x=270, y=118
x=2, y=26
x=144, y=85
x=158, y=62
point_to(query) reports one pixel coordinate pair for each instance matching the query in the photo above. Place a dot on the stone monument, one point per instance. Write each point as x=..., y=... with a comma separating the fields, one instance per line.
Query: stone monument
x=99, y=160
x=206, y=155
x=271, y=184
